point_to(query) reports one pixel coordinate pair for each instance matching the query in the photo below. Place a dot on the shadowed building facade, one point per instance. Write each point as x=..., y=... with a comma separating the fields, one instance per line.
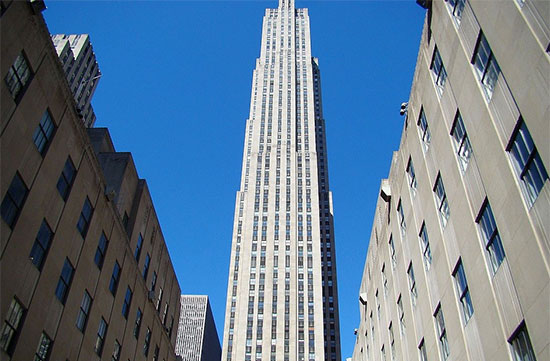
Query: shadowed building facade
x=282, y=301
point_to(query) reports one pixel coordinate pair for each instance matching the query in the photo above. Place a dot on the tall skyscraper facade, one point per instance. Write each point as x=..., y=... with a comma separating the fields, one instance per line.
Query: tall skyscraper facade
x=81, y=69
x=197, y=336
x=282, y=294
x=457, y=265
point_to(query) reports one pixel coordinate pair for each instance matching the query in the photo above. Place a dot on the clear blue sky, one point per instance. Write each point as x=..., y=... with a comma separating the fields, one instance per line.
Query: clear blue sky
x=175, y=92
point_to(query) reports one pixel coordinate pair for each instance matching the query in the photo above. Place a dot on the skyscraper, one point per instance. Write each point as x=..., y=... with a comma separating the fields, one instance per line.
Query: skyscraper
x=197, y=336
x=282, y=294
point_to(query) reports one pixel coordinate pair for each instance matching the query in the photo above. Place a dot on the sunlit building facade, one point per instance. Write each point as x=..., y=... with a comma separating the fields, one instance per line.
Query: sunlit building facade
x=457, y=264
x=282, y=294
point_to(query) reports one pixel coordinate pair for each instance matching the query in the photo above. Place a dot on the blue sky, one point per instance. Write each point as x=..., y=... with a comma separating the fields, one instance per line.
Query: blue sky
x=175, y=92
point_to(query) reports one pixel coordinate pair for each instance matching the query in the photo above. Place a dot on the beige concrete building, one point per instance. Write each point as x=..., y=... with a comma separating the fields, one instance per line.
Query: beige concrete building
x=458, y=261
x=282, y=298
x=85, y=272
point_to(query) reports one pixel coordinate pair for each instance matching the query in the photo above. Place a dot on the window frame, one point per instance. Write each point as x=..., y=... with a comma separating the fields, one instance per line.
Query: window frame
x=524, y=347
x=485, y=65
x=101, y=251
x=101, y=335
x=461, y=142
x=15, y=317
x=439, y=74
x=84, y=311
x=424, y=130
x=44, y=348
x=412, y=283
x=44, y=133
x=14, y=199
x=442, y=201
x=22, y=83
x=441, y=332
x=41, y=248
x=66, y=181
x=115, y=278
x=463, y=291
x=127, y=303
x=411, y=175
x=64, y=282
x=425, y=246
x=490, y=236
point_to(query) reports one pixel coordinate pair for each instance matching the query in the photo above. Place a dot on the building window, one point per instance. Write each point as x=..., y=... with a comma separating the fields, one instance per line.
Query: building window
x=412, y=284
x=401, y=314
x=156, y=353
x=116, y=352
x=146, y=266
x=401, y=215
x=100, y=340
x=85, y=218
x=485, y=65
x=64, y=282
x=13, y=200
x=137, y=324
x=84, y=311
x=521, y=345
x=441, y=333
x=461, y=142
x=139, y=245
x=392, y=252
x=441, y=200
x=489, y=230
x=10, y=330
x=127, y=303
x=439, y=74
x=101, y=250
x=412, y=176
x=147, y=342
x=425, y=246
x=463, y=291
x=113, y=284
x=422, y=351
x=424, y=130
x=19, y=75
x=44, y=132
x=66, y=179
x=527, y=162
x=44, y=347
x=456, y=7
x=41, y=245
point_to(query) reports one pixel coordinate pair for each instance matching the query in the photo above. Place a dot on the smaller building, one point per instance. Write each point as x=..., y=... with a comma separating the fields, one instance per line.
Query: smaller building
x=81, y=70
x=197, y=336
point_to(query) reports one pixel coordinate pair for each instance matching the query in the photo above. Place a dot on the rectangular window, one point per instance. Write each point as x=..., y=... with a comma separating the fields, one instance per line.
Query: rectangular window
x=463, y=291
x=101, y=250
x=401, y=314
x=146, y=266
x=461, y=142
x=64, y=282
x=439, y=74
x=411, y=175
x=441, y=333
x=116, y=352
x=66, y=179
x=412, y=284
x=85, y=218
x=127, y=302
x=422, y=351
x=489, y=231
x=13, y=200
x=41, y=245
x=10, y=329
x=18, y=76
x=44, y=132
x=139, y=244
x=456, y=7
x=84, y=311
x=401, y=215
x=527, y=162
x=425, y=246
x=156, y=353
x=392, y=252
x=441, y=201
x=44, y=348
x=147, y=342
x=485, y=65
x=424, y=130
x=113, y=284
x=137, y=324
x=100, y=340
x=521, y=345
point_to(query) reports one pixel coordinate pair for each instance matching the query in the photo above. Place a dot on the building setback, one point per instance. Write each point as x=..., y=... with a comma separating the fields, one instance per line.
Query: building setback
x=81, y=70
x=197, y=336
x=85, y=271
x=282, y=295
x=457, y=265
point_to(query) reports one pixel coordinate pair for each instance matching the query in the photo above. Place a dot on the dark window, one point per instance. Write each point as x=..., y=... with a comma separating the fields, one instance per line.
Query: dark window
x=44, y=347
x=439, y=74
x=137, y=324
x=101, y=249
x=8, y=338
x=156, y=354
x=441, y=200
x=41, y=245
x=147, y=342
x=85, y=217
x=127, y=303
x=113, y=284
x=100, y=340
x=521, y=345
x=66, y=179
x=44, y=132
x=486, y=66
x=146, y=266
x=137, y=253
x=491, y=237
x=13, y=200
x=461, y=142
x=463, y=291
x=84, y=311
x=64, y=281
x=19, y=75
x=116, y=351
